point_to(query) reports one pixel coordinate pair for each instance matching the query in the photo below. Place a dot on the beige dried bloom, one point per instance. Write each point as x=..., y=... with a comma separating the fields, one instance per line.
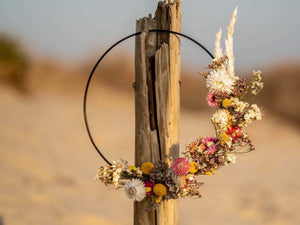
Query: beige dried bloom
x=239, y=106
x=218, y=50
x=231, y=158
x=221, y=120
x=253, y=114
x=229, y=43
x=256, y=84
x=218, y=81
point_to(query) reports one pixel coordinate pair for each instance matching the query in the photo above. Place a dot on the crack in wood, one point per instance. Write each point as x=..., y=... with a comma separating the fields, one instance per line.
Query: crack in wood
x=152, y=102
x=151, y=92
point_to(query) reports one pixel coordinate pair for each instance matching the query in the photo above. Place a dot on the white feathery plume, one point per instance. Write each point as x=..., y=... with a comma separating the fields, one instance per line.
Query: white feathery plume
x=218, y=49
x=229, y=43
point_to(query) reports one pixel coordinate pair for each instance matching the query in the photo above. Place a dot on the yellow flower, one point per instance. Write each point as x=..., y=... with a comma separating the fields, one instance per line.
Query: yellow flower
x=210, y=172
x=158, y=199
x=193, y=168
x=226, y=103
x=223, y=138
x=132, y=168
x=159, y=189
x=146, y=167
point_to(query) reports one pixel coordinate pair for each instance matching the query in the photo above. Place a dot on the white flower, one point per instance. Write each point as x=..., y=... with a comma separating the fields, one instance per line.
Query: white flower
x=220, y=81
x=253, y=114
x=116, y=178
x=178, y=180
x=256, y=111
x=239, y=105
x=120, y=165
x=221, y=119
x=231, y=158
x=135, y=190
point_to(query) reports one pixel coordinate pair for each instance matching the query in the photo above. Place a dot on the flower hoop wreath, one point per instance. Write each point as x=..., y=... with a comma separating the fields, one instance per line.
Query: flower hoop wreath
x=205, y=155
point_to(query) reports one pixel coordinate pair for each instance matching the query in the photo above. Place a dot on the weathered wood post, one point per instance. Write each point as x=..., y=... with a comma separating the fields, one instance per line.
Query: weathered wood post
x=157, y=72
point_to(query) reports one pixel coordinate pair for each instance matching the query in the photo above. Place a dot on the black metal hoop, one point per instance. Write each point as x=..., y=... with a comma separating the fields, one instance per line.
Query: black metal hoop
x=100, y=59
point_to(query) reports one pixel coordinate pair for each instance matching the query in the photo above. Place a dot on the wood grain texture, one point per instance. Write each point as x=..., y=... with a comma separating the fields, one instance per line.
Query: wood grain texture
x=157, y=100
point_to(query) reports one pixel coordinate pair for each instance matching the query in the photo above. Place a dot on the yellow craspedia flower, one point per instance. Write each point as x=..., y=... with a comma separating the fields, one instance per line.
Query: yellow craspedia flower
x=226, y=103
x=158, y=199
x=223, y=138
x=146, y=167
x=193, y=167
x=159, y=189
x=132, y=168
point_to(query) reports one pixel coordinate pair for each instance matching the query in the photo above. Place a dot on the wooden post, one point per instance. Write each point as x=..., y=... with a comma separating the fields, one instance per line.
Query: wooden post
x=157, y=74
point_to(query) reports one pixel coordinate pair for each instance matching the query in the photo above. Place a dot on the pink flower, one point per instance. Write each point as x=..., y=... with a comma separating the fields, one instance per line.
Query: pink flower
x=209, y=144
x=208, y=139
x=210, y=99
x=211, y=149
x=149, y=187
x=180, y=166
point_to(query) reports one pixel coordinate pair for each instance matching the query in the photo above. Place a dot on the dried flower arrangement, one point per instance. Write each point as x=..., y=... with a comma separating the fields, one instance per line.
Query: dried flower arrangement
x=205, y=155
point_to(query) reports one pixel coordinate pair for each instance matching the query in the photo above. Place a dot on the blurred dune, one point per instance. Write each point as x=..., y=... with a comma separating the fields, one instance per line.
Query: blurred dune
x=47, y=162
x=281, y=85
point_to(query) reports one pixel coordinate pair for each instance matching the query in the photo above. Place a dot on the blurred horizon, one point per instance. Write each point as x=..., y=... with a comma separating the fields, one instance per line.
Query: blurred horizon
x=266, y=31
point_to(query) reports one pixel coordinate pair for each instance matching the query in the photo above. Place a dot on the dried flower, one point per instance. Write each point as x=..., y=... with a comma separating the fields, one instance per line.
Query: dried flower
x=226, y=103
x=132, y=168
x=111, y=174
x=147, y=167
x=209, y=145
x=212, y=171
x=252, y=114
x=193, y=168
x=231, y=158
x=239, y=106
x=234, y=132
x=221, y=120
x=158, y=199
x=160, y=189
x=120, y=164
x=217, y=63
x=135, y=190
x=256, y=84
x=229, y=43
x=223, y=138
x=240, y=88
x=180, y=166
x=219, y=81
x=210, y=99
x=218, y=49
x=149, y=187
x=178, y=180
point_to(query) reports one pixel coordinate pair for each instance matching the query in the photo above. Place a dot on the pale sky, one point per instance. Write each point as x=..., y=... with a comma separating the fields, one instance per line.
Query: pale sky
x=267, y=30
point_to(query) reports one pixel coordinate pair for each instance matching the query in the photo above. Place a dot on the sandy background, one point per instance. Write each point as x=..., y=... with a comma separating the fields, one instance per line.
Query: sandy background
x=47, y=163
